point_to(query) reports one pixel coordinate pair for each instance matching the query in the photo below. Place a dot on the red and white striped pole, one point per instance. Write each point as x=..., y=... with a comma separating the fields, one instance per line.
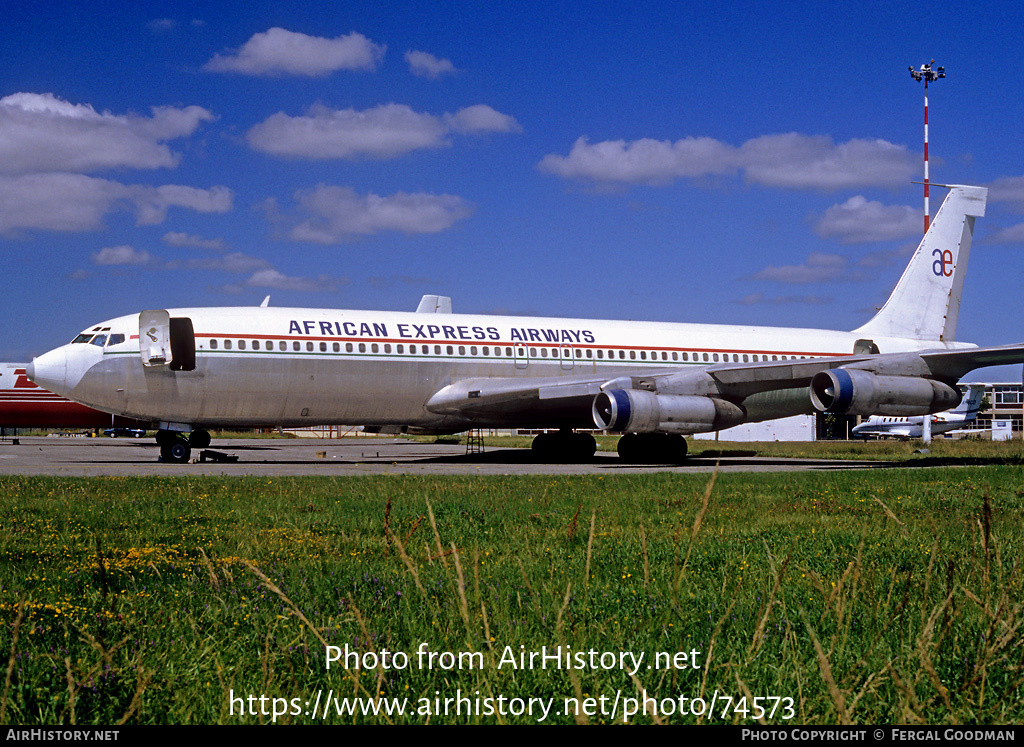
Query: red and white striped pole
x=926, y=74
x=926, y=211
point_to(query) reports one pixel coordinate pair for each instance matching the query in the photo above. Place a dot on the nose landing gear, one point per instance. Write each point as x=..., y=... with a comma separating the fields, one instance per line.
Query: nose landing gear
x=176, y=447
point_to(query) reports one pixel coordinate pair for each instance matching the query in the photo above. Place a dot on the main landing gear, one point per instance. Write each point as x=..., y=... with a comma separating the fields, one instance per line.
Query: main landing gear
x=564, y=446
x=652, y=448
x=633, y=448
x=176, y=447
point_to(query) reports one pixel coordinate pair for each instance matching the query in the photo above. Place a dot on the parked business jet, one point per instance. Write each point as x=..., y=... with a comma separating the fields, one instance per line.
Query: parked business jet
x=883, y=426
x=435, y=371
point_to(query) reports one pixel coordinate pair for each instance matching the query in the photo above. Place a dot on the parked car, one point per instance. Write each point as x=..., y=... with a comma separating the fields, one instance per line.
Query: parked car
x=133, y=432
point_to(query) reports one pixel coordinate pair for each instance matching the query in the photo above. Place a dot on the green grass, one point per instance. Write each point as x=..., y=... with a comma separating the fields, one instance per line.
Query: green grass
x=865, y=597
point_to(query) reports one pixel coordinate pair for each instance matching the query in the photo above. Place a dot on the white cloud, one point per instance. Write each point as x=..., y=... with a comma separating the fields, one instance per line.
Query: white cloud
x=888, y=257
x=798, y=161
x=273, y=279
x=384, y=131
x=261, y=273
x=859, y=220
x=1008, y=189
x=819, y=268
x=279, y=51
x=643, y=161
x=481, y=118
x=760, y=299
x=791, y=160
x=56, y=202
x=152, y=203
x=426, y=65
x=177, y=238
x=121, y=255
x=334, y=214
x=42, y=133
x=1011, y=235
x=74, y=202
x=235, y=262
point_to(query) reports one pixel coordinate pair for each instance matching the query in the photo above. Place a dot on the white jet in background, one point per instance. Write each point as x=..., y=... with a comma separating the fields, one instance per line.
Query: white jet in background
x=881, y=426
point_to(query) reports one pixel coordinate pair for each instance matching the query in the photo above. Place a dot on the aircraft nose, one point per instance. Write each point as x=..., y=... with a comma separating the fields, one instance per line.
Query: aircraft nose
x=50, y=370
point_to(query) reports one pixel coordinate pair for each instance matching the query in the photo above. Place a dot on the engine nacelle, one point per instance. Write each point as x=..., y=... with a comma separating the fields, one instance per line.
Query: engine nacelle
x=851, y=391
x=639, y=411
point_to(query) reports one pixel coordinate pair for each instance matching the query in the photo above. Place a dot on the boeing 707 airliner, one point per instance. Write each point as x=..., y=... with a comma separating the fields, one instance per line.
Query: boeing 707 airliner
x=434, y=371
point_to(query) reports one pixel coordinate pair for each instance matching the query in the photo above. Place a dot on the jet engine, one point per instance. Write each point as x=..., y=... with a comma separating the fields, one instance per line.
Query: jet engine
x=639, y=411
x=851, y=391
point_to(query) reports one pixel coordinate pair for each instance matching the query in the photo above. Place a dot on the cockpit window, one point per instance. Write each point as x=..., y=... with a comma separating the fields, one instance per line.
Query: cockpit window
x=99, y=340
x=84, y=337
x=115, y=340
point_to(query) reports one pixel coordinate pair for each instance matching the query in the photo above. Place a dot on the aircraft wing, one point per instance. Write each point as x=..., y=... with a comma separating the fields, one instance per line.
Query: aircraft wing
x=566, y=401
x=954, y=364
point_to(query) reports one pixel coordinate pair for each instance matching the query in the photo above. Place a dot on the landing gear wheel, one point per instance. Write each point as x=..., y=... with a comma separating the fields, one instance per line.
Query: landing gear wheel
x=199, y=439
x=652, y=448
x=166, y=438
x=675, y=449
x=630, y=448
x=564, y=446
x=583, y=446
x=545, y=447
x=177, y=451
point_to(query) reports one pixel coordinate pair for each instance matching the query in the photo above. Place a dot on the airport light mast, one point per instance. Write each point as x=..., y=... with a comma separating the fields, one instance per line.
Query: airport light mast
x=927, y=74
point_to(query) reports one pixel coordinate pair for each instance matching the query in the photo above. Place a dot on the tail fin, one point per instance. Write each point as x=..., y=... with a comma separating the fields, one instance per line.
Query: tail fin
x=926, y=301
x=971, y=403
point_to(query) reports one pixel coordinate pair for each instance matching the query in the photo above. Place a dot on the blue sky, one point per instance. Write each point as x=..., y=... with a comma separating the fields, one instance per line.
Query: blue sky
x=740, y=163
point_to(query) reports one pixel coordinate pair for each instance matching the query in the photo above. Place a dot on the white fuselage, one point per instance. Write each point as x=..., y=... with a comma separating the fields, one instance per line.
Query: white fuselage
x=913, y=426
x=290, y=366
x=906, y=427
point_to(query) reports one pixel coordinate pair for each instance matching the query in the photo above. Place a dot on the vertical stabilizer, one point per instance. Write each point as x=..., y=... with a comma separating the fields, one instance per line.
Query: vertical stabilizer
x=970, y=404
x=925, y=304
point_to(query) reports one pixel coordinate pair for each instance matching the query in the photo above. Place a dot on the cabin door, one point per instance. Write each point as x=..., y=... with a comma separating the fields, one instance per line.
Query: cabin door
x=565, y=353
x=522, y=355
x=155, y=337
x=164, y=341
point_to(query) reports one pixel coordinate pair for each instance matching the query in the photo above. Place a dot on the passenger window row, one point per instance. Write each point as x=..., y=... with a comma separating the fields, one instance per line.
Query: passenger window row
x=489, y=351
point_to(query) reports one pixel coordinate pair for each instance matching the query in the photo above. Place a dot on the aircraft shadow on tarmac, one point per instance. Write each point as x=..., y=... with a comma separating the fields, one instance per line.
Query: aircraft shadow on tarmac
x=250, y=453
x=610, y=460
